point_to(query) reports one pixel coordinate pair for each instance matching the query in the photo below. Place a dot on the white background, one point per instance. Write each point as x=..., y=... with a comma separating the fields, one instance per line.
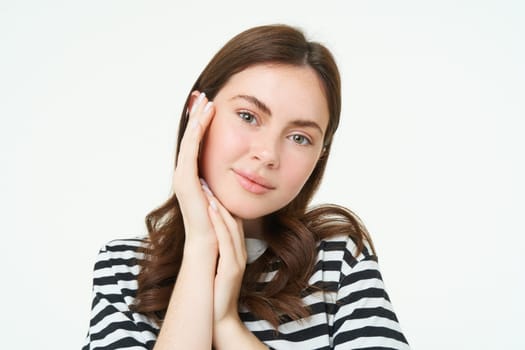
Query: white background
x=429, y=152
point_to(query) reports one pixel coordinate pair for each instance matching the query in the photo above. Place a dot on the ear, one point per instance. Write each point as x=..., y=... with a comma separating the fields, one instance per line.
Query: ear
x=324, y=153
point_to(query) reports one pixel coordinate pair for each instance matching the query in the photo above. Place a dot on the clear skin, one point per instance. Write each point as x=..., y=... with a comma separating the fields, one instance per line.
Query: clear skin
x=259, y=141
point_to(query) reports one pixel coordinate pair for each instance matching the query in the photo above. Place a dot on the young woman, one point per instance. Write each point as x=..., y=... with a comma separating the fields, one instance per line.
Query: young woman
x=235, y=259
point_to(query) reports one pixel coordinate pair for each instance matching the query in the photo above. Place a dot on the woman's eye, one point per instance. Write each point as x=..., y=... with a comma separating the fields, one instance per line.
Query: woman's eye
x=300, y=139
x=247, y=117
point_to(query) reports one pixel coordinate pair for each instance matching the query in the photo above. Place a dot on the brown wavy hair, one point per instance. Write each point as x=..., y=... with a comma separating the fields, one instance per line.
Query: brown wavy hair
x=293, y=232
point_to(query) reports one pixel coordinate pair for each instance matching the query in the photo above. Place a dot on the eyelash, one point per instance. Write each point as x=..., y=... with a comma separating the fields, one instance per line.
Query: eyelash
x=306, y=140
x=243, y=116
x=249, y=118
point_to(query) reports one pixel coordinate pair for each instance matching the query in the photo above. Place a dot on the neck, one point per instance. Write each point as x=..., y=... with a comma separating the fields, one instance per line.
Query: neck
x=253, y=228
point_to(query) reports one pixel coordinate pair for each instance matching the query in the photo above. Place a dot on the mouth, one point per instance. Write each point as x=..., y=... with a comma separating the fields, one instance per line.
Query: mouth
x=253, y=183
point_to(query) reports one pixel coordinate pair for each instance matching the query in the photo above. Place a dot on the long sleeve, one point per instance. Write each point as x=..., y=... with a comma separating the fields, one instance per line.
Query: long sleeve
x=113, y=325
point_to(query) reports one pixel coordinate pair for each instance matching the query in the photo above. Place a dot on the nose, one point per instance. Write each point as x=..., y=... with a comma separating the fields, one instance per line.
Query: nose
x=266, y=151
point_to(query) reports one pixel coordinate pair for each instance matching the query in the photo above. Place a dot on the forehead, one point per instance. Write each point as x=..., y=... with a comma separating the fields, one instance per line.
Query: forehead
x=294, y=92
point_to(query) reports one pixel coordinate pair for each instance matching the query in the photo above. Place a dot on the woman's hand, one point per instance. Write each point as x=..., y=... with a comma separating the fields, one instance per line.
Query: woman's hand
x=230, y=271
x=211, y=233
x=196, y=277
x=232, y=259
x=192, y=201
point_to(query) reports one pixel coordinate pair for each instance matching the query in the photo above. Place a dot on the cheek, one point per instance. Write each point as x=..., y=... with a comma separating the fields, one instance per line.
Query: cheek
x=298, y=170
x=221, y=143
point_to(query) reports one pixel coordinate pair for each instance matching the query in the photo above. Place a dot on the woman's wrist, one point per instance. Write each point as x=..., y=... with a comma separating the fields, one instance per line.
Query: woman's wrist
x=199, y=245
x=225, y=331
x=232, y=334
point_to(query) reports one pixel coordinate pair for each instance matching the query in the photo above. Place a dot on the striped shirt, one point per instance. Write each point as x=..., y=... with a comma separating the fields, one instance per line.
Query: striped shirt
x=354, y=313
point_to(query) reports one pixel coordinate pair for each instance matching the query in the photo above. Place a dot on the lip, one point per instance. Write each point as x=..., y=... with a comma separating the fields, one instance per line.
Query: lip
x=252, y=182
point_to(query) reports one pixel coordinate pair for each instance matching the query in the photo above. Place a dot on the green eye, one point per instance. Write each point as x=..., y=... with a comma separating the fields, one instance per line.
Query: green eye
x=300, y=139
x=247, y=117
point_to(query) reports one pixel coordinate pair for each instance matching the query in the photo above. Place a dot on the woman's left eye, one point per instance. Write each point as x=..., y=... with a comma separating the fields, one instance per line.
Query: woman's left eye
x=300, y=139
x=247, y=117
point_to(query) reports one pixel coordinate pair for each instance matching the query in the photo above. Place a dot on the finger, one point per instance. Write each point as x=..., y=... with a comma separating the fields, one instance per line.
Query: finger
x=205, y=187
x=190, y=143
x=196, y=98
x=185, y=178
x=226, y=249
x=192, y=132
x=199, y=110
x=225, y=214
x=232, y=226
x=228, y=220
x=236, y=232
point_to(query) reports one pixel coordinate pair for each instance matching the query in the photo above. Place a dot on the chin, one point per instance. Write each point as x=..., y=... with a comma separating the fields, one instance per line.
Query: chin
x=247, y=212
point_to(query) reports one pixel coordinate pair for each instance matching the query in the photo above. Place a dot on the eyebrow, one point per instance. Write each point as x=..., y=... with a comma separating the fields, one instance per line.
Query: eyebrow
x=307, y=124
x=255, y=101
x=265, y=109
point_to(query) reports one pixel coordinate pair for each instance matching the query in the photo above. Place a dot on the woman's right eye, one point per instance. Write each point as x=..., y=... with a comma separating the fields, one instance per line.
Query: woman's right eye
x=247, y=117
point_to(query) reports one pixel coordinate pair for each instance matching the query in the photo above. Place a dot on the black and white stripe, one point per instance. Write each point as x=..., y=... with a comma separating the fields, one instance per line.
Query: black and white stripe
x=353, y=311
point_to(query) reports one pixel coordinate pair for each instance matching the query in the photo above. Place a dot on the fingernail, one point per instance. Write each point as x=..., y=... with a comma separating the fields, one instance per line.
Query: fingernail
x=205, y=186
x=213, y=205
x=198, y=102
x=207, y=190
x=208, y=106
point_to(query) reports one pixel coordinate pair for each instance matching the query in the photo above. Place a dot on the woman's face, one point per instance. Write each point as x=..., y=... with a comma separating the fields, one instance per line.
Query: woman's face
x=265, y=138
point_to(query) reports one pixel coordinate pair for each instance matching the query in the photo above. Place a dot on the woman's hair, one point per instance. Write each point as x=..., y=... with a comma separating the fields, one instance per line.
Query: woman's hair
x=292, y=233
